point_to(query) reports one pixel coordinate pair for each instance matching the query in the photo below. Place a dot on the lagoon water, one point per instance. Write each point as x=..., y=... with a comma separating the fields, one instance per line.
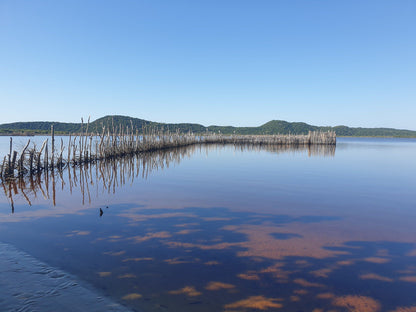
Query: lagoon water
x=221, y=228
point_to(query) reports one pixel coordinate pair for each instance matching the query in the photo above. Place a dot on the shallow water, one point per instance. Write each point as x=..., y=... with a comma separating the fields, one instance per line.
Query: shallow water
x=220, y=228
x=30, y=285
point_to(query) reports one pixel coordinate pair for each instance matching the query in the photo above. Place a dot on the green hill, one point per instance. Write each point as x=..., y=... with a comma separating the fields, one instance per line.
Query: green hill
x=271, y=127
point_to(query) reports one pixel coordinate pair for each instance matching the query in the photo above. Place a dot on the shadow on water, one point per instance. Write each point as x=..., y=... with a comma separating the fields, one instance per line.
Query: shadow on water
x=114, y=173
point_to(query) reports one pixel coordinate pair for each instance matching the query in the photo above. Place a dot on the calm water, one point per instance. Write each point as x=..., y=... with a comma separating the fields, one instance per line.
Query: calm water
x=221, y=228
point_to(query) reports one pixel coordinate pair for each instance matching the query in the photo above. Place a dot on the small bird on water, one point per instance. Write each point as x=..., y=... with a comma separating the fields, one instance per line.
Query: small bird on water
x=101, y=212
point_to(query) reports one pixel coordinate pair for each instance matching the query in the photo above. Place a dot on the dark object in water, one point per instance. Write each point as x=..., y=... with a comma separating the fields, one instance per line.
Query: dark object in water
x=101, y=212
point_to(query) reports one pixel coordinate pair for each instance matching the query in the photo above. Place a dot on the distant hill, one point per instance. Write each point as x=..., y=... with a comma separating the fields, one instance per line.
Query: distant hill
x=271, y=127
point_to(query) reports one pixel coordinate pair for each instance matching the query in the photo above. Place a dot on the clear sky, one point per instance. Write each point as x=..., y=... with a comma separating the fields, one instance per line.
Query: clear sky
x=222, y=62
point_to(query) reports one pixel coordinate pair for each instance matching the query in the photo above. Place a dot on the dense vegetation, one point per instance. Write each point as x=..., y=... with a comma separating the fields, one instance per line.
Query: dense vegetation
x=271, y=127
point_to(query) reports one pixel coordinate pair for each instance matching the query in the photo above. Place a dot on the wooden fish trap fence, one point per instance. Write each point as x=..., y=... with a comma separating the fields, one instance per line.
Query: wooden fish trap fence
x=126, y=141
x=107, y=175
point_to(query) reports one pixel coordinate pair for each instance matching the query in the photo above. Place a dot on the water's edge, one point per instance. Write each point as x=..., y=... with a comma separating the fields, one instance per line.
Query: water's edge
x=28, y=284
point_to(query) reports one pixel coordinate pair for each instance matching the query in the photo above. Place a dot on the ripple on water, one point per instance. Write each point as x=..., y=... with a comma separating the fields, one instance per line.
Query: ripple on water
x=27, y=284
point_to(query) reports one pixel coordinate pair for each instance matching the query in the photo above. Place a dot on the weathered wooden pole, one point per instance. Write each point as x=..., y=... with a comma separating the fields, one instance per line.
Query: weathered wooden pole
x=46, y=157
x=53, y=146
x=13, y=163
x=40, y=153
x=10, y=155
x=69, y=150
x=21, y=160
x=31, y=161
x=3, y=167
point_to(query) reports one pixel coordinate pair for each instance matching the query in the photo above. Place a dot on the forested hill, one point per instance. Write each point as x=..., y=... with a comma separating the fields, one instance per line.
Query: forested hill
x=271, y=127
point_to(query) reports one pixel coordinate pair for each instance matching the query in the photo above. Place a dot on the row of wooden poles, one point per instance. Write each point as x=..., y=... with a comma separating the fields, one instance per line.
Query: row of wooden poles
x=91, y=147
x=108, y=175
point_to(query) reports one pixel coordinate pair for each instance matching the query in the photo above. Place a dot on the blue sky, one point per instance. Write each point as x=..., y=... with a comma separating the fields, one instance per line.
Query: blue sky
x=228, y=62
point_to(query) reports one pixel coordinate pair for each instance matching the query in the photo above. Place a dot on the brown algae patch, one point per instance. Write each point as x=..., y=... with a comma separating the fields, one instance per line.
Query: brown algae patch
x=178, y=261
x=187, y=231
x=377, y=260
x=322, y=272
x=261, y=243
x=138, y=259
x=132, y=296
x=127, y=276
x=410, y=279
x=187, y=290
x=140, y=239
x=80, y=233
x=325, y=296
x=209, y=263
x=255, y=302
x=405, y=309
x=372, y=276
x=104, y=274
x=295, y=298
x=346, y=262
x=220, y=246
x=300, y=291
x=303, y=263
x=218, y=286
x=355, y=303
x=251, y=276
x=114, y=253
x=305, y=283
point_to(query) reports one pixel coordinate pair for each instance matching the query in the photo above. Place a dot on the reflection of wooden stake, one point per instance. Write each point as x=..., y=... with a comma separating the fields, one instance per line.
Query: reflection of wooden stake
x=81, y=183
x=62, y=179
x=53, y=189
x=41, y=189
x=86, y=185
x=102, y=176
x=15, y=190
x=75, y=176
x=4, y=188
x=37, y=182
x=25, y=196
x=11, y=198
x=47, y=183
x=69, y=179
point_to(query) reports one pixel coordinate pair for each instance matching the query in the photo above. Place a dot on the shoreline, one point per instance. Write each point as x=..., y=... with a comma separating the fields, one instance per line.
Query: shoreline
x=54, y=289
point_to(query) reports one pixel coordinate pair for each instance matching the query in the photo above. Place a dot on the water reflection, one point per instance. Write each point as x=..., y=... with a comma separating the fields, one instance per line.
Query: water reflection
x=244, y=261
x=217, y=259
x=114, y=173
x=219, y=256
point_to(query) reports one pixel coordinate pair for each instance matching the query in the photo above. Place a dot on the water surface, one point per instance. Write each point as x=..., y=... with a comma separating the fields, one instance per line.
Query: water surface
x=220, y=228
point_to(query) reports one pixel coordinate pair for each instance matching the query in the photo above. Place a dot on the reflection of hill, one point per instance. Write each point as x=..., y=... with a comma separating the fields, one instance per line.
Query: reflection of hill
x=113, y=173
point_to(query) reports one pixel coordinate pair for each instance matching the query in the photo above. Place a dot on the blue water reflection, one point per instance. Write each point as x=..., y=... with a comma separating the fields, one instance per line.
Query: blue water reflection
x=225, y=229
